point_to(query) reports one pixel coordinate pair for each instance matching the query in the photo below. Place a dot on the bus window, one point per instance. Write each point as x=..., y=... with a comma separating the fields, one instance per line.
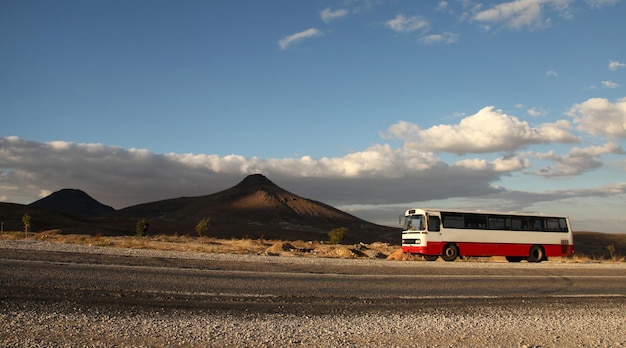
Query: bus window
x=563, y=225
x=499, y=222
x=537, y=224
x=552, y=224
x=414, y=223
x=452, y=220
x=433, y=224
x=519, y=223
x=476, y=221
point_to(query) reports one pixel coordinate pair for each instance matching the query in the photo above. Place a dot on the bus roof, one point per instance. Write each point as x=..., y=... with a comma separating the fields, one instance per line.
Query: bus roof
x=420, y=211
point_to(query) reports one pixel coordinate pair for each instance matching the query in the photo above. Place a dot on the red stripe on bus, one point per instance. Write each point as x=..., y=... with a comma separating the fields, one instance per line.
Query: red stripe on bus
x=490, y=249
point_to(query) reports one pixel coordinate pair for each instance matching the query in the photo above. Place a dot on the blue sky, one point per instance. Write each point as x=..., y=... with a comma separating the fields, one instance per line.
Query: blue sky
x=370, y=106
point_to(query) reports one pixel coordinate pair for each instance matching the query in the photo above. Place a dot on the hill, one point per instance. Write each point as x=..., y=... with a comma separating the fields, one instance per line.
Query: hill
x=595, y=245
x=255, y=208
x=43, y=219
x=74, y=202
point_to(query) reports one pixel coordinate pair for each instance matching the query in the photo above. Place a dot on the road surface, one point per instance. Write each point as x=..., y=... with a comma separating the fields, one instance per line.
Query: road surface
x=314, y=288
x=310, y=285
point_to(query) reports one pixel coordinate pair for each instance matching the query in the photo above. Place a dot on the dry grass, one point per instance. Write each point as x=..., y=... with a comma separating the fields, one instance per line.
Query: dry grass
x=297, y=248
x=213, y=245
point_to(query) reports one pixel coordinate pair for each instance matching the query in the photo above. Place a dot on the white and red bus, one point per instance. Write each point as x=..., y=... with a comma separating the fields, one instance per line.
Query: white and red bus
x=450, y=234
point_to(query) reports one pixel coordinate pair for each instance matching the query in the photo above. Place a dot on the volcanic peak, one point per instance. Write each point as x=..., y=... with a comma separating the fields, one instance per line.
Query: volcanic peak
x=255, y=182
x=73, y=201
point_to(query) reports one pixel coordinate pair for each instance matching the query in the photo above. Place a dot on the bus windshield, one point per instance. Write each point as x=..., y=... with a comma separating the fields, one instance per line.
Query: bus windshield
x=414, y=223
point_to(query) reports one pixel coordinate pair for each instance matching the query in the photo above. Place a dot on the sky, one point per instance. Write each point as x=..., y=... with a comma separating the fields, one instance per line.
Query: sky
x=373, y=107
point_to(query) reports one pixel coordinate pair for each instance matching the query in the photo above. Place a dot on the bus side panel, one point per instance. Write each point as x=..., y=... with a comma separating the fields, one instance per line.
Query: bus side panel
x=558, y=250
x=434, y=248
x=504, y=249
x=494, y=249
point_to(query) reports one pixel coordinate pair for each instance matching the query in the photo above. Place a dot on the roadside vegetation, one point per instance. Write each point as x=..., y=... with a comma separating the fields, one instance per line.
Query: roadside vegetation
x=298, y=248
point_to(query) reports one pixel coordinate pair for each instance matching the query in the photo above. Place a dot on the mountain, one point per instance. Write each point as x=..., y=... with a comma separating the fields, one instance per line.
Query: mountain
x=74, y=202
x=255, y=208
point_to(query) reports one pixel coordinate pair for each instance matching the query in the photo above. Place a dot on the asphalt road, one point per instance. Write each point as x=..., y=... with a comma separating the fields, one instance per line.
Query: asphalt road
x=266, y=285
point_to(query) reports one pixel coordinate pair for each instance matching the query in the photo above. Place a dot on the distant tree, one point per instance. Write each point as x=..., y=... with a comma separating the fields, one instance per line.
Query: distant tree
x=142, y=228
x=203, y=226
x=611, y=249
x=336, y=235
x=26, y=222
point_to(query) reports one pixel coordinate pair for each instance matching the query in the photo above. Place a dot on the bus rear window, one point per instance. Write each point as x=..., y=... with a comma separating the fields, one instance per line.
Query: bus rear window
x=556, y=225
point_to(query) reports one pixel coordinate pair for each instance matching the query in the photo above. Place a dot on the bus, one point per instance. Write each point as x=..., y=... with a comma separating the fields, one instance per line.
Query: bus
x=452, y=234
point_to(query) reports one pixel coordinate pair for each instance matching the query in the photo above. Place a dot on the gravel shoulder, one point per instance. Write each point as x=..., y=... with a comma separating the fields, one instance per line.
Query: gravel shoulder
x=569, y=322
x=38, y=245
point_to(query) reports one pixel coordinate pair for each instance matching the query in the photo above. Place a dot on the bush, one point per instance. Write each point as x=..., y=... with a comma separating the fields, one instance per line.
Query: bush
x=141, y=228
x=203, y=226
x=336, y=235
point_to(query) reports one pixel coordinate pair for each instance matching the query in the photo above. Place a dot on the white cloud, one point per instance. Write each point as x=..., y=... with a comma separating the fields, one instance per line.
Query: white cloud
x=577, y=161
x=489, y=130
x=522, y=13
x=502, y=164
x=510, y=164
x=614, y=65
x=609, y=84
x=446, y=38
x=403, y=130
x=512, y=200
x=44, y=193
x=442, y=6
x=535, y=112
x=598, y=116
x=403, y=24
x=329, y=15
x=473, y=164
x=600, y=3
x=552, y=73
x=121, y=177
x=287, y=41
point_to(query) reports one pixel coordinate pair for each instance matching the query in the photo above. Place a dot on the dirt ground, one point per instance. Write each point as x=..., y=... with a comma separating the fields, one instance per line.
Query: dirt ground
x=299, y=248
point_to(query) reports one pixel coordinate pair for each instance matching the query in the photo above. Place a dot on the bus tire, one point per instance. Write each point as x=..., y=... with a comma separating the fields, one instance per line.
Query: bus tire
x=431, y=257
x=536, y=254
x=450, y=252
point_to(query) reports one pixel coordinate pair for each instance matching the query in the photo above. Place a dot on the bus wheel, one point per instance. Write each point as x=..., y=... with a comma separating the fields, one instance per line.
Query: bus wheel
x=430, y=257
x=513, y=258
x=536, y=254
x=450, y=252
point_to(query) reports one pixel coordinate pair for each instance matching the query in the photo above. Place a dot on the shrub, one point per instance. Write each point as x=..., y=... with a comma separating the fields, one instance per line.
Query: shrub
x=141, y=228
x=26, y=222
x=336, y=235
x=611, y=249
x=203, y=226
